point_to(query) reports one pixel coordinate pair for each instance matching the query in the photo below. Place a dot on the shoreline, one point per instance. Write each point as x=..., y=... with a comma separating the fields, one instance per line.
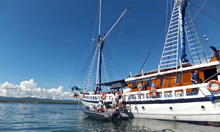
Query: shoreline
x=36, y=102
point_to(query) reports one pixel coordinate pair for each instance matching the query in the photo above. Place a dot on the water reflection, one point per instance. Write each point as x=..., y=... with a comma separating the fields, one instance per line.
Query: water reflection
x=145, y=125
x=54, y=117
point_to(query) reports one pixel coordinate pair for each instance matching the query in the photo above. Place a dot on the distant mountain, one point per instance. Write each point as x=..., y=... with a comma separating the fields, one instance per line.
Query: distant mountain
x=35, y=100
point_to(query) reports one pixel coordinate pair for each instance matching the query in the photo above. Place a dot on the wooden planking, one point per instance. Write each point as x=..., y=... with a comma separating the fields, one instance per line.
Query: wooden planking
x=171, y=78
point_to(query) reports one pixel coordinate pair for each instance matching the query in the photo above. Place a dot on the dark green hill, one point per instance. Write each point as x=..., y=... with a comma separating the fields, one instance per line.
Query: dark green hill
x=36, y=100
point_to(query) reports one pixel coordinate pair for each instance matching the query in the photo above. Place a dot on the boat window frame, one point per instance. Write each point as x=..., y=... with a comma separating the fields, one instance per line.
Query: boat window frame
x=191, y=94
x=163, y=79
x=181, y=94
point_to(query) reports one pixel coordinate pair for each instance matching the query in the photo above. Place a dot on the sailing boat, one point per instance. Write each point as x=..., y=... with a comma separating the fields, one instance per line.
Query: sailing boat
x=180, y=89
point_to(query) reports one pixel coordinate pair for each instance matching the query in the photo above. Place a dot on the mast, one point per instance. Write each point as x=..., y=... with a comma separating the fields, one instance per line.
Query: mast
x=100, y=42
x=100, y=46
x=182, y=9
x=99, y=63
x=181, y=27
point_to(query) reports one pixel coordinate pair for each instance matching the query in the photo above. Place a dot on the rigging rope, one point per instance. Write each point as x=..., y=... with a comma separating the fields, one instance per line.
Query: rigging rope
x=155, y=40
x=214, y=18
x=80, y=56
x=109, y=54
x=108, y=68
x=84, y=69
x=105, y=69
x=199, y=10
x=166, y=19
x=116, y=46
x=198, y=32
x=91, y=69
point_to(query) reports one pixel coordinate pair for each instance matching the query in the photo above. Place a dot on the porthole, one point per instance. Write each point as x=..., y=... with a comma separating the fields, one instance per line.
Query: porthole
x=203, y=107
x=171, y=108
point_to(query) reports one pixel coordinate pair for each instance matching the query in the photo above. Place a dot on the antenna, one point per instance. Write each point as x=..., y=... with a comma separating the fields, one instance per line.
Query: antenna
x=207, y=44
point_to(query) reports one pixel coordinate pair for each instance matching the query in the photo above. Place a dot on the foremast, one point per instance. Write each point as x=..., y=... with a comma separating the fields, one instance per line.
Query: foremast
x=99, y=64
x=100, y=43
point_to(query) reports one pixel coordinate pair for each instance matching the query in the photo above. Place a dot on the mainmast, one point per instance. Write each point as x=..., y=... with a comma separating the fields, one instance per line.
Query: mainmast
x=182, y=9
x=181, y=27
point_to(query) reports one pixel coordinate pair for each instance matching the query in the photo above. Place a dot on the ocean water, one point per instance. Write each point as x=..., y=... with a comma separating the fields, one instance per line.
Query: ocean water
x=61, y=118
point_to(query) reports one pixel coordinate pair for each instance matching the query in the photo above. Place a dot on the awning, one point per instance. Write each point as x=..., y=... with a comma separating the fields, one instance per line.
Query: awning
x=143, y=79
x=115, y=84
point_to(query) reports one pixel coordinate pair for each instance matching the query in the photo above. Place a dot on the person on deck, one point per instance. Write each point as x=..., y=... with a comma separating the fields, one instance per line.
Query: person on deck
x=194, y=77
x=120, y=101
x=114, y=100
x=153, y=84
x=100, y=105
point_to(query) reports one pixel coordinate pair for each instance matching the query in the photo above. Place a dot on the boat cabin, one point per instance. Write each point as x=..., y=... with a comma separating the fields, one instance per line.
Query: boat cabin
x=175, y=77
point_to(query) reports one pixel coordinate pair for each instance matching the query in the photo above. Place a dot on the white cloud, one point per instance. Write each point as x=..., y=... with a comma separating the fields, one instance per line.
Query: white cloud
x=30, y=89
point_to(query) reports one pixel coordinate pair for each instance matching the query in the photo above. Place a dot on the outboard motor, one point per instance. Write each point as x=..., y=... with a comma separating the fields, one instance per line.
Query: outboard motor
x=115, y=114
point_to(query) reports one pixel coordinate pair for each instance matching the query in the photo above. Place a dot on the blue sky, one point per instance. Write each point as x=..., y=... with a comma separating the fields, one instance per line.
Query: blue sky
x=45, y=39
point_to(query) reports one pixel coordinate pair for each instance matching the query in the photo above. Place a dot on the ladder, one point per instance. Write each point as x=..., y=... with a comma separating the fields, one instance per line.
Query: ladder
x=196, y=51
x=90, y=69
x=106, y=70
x=169, y=56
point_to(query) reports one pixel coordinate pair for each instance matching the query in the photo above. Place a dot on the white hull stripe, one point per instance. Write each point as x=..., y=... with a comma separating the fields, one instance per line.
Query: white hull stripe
x=165, y=101
x=173, y=101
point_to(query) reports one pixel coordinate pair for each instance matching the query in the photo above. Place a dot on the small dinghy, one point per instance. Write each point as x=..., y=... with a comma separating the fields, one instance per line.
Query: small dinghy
x=119, y=114
x=123, y=115
x=114, y=113
x=96, y=114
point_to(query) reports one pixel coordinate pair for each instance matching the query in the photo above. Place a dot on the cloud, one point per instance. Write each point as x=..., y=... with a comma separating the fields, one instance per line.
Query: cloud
x=30, y=89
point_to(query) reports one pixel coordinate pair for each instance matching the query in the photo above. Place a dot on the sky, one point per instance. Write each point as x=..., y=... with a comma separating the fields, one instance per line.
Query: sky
x=47, y=44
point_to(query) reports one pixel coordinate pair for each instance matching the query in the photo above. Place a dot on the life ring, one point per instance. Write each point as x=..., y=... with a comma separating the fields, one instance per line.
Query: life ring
x=153, y=92
x=103, y=95
x=84, y=95
x=214, y=88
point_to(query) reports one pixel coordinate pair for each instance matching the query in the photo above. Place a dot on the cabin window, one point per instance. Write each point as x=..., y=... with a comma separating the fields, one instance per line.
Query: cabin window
x=135, y=97
x=168, y=94
x=159, y=95
x=178, y=80
x=179, y=93
x=163, y=81
x=140, y=96
x=192, y=92
x=148, y=83
x=208, y=73
x=131, y=96
x=135, y=84
x=148, y=96
x=140, y=86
